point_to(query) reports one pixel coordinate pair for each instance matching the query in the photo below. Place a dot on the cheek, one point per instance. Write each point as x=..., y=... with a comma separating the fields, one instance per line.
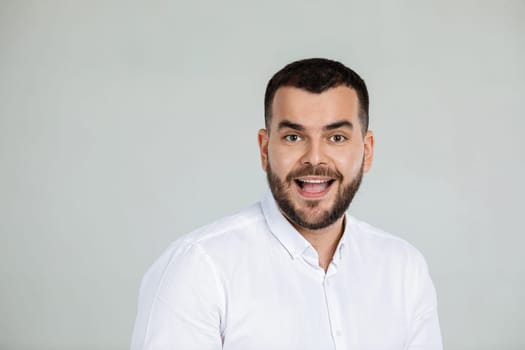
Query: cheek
x=350, y=165
x=282, y=161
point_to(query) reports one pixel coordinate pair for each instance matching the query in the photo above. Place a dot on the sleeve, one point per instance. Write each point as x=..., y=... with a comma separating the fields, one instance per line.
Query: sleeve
x=424, y=330
x=180, y=303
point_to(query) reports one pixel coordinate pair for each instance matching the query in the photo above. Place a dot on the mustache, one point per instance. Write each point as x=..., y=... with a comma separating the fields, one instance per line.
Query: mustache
x=314, y=170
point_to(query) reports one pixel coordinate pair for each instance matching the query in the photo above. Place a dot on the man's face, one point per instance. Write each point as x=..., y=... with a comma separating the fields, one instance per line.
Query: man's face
x=314, y=154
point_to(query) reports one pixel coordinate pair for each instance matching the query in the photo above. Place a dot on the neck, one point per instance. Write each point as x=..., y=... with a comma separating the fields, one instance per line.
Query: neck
x=324, y=240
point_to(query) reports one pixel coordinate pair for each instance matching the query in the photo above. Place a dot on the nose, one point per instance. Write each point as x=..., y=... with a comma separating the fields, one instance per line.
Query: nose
x=314, y=153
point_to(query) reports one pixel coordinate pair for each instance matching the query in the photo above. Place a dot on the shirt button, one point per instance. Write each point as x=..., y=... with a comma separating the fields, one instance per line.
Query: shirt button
x=338, y=333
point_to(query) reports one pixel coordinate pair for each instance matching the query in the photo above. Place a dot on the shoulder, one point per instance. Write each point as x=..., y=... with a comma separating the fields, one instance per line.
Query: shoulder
x=229, y=230
x=375, y=243
x=223, y=235
x=193, y=254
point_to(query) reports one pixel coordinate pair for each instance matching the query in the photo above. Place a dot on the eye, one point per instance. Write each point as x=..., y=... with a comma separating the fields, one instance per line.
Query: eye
x=292, y=138
x=338, y=138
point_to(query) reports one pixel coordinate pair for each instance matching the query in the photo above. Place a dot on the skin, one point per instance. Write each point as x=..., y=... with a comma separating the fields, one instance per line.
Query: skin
x=323, y=130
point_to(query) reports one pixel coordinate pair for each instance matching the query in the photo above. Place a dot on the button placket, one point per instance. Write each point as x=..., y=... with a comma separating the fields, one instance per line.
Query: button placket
x=335, y=324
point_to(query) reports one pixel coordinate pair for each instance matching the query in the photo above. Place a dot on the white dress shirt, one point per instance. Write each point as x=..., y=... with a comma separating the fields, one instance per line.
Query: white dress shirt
x=252, y=282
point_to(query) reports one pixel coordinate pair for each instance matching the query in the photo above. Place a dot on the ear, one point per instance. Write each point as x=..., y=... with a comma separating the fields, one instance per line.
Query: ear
x=369, y=150
x=262, y=138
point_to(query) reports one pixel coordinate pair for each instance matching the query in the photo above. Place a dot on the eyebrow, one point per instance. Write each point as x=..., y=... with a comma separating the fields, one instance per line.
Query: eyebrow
x=291, y=125
x=337, y=125
x=288, y=124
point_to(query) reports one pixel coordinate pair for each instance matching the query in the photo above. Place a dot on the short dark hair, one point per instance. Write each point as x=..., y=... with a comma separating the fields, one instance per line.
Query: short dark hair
x=317, y=75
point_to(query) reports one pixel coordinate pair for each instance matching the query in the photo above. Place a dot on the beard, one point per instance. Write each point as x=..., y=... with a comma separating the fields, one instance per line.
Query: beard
x=281, y=193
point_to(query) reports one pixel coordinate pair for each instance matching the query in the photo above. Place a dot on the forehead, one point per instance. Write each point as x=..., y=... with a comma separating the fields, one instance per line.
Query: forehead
x=315, y=110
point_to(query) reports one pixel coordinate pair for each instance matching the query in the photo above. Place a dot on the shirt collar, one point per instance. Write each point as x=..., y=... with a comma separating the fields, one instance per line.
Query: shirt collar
x=288, y=236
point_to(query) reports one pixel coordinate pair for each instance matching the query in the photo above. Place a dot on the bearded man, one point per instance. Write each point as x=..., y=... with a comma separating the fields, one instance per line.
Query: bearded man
x=295, y=271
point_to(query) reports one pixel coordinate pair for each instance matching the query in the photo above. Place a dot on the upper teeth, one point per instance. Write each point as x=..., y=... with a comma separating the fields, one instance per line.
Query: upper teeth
x=313, y=181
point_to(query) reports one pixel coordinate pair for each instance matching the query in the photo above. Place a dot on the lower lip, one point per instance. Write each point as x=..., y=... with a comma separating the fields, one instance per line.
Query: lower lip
x=312, y=195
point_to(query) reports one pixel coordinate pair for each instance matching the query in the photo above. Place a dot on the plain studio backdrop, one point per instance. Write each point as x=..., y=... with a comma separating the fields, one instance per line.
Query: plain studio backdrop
x=124, y=125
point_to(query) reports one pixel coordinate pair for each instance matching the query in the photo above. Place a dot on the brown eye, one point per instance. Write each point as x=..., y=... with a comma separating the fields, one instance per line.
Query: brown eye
x=338, y=138
x=292, y=138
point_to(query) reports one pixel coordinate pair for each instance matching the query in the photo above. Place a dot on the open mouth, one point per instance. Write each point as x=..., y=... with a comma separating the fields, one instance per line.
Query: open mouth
x=313, y=187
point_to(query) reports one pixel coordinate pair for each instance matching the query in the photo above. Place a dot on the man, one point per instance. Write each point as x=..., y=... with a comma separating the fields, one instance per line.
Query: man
x=294, y=271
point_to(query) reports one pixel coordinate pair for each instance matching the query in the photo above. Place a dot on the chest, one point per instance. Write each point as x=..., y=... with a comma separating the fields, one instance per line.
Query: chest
x=295, y=306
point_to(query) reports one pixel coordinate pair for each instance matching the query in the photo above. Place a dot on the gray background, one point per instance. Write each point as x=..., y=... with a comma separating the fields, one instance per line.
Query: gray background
x=126, y=124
